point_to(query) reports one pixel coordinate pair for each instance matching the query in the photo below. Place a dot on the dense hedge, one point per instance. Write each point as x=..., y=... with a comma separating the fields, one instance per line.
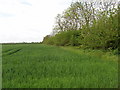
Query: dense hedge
x=102, y=33
x=64, y=38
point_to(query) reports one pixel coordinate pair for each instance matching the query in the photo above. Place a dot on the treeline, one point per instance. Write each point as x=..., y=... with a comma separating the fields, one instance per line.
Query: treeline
x=87, y=24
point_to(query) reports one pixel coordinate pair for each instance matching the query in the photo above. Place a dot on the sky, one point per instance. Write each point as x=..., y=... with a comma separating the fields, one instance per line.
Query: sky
x=29, y=20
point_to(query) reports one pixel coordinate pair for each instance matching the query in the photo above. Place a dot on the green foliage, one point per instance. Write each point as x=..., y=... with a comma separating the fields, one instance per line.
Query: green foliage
x=42, y=66
x=74, y=40
x=50, y=41
x=85, y=26
x=103, y=33
x=64, y=38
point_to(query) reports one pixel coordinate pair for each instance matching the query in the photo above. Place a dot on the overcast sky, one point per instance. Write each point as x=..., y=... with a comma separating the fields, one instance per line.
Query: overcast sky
x=29, y=20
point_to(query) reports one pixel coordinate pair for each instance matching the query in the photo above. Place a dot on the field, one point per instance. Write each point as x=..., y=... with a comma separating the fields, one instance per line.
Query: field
x=42, y=66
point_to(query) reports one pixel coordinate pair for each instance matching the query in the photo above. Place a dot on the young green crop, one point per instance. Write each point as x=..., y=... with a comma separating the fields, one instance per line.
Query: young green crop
x=42, y=66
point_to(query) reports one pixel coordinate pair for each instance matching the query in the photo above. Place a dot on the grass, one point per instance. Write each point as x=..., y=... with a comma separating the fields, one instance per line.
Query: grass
x=106, y=55
x=42, y=66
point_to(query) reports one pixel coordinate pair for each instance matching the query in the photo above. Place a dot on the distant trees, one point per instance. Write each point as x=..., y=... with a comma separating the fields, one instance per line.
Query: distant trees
x=89, y=25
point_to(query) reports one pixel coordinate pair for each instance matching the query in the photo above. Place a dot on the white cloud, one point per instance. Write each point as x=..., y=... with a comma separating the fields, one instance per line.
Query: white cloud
x=28, y=20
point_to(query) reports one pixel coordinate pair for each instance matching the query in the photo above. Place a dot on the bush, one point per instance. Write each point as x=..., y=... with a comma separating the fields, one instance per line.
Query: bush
x=64, y=39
